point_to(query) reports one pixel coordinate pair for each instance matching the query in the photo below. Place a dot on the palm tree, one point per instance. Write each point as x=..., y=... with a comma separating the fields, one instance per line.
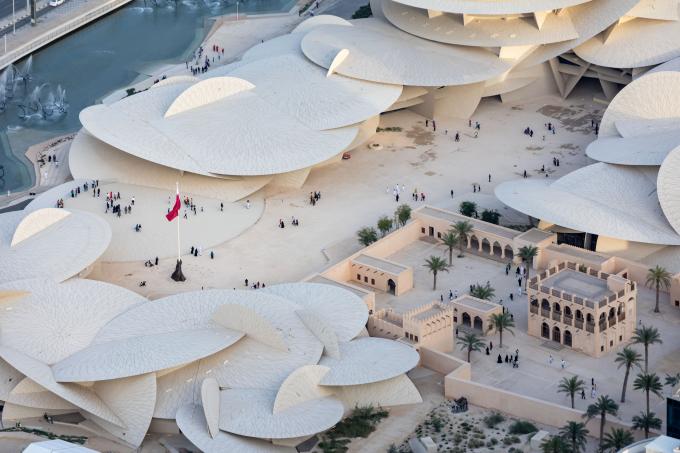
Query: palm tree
x=501, y=322
x=367, y=235
x=485, y=292
x=471, y=342
x=616, y=440
x=628, y=357
x=527, y=253
x=658, y=278
x=462, y=229
x=385, y=224
x=646, y=422
x=435, y=265
x=648, y=383
x=601, y=408
x=554, y=444
x=571, y=386
x=450, y=240
x=576, y=434
x=646, y=335
x=672, y=381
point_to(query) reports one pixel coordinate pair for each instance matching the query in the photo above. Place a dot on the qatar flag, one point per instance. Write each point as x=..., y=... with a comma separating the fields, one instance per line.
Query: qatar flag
x=174, y=212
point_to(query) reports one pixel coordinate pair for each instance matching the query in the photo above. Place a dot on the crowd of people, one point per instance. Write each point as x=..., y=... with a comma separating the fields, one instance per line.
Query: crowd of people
x=200, y=61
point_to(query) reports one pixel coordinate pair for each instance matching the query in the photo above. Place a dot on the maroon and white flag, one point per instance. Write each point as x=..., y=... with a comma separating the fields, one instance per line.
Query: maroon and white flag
x=174, y=212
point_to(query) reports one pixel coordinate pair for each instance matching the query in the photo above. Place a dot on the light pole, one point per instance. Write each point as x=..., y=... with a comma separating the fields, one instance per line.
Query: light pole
x=237, y=10
x=14, y=21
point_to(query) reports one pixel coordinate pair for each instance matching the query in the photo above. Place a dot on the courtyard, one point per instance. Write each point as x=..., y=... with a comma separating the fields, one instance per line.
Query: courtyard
x=538, y=376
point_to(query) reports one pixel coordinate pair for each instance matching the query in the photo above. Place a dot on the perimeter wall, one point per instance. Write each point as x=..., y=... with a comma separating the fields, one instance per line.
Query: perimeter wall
x=458, y=383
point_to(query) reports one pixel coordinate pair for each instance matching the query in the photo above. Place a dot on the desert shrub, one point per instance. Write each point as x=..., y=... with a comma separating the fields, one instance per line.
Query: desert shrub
x=493, y=419
x=334, y=445
x=522, y=427
x=475, y=443
x=509, y=440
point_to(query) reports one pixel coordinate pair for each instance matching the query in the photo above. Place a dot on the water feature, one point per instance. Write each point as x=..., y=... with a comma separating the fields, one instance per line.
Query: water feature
x=41, y=97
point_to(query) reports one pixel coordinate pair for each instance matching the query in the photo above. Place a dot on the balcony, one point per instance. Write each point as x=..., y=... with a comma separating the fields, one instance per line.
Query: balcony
x=533, y=309
x=545, y=313
x=557, y=316
x=612, y=321
x=622, y=317
x=567, y=319
x=578, y=323
x=590, y=327
x=603, y=326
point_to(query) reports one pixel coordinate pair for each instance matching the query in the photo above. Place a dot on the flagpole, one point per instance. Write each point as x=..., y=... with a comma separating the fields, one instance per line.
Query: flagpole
x=179, y=255
x=177, y=276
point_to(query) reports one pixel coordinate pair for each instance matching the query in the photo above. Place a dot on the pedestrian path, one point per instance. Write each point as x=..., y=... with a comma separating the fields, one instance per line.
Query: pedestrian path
x=52, y=25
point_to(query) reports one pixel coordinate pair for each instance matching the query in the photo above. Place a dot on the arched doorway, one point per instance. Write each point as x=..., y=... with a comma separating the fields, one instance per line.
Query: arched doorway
x=497, y=249
x=474, y=242
x=478, y=323
x=556, y=335
x=391, y=286
x=466, y=319
x=509, y=253
x=545, y=331
x=486, y=246
x=567, y=338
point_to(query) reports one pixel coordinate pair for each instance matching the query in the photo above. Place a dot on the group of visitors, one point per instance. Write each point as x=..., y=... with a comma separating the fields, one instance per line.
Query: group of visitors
x=414, y=195
x=293, y=221
x=509, y=359
x=111, y=203
x=256, y=285
x=150, y=263
x=595, y=126
x=314, y=197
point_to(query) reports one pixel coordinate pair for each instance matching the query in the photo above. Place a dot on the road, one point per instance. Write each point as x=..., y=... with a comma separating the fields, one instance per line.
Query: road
x=21, y=14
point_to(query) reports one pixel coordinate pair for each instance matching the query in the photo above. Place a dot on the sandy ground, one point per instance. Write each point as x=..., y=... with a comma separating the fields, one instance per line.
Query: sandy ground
x=205, y=229
x=354, y=191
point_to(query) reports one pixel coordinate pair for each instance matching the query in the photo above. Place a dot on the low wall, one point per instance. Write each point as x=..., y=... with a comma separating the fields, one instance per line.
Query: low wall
x=383, y=248
x=458, y=383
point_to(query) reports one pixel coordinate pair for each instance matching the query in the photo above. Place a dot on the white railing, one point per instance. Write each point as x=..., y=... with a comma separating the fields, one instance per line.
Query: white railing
x=58, y=31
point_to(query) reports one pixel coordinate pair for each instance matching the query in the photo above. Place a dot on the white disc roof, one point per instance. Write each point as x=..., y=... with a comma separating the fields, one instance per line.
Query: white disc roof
x=621, y=202
x=380, y=53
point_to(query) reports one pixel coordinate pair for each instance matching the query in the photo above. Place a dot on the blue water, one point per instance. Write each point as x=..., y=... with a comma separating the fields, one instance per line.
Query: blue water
x=103, y=57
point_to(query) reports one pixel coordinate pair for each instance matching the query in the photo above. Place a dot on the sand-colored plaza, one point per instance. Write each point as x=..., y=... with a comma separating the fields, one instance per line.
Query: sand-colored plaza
x=308, y=129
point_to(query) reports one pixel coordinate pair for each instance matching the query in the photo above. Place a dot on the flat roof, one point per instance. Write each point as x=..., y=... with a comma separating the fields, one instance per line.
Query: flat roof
x=578, y=284
x=477, y=304
x=433, y=311
x=578, y=253
x=535, y=235
x=327, y=281
x=379, y=263
x=477, y=224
